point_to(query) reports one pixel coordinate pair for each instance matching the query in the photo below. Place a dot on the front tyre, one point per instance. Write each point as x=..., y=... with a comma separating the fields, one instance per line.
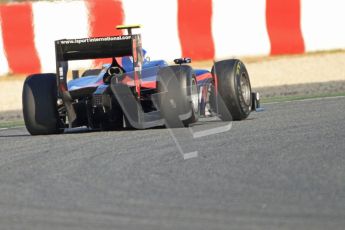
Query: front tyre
x=40, y=105
x=232, y=90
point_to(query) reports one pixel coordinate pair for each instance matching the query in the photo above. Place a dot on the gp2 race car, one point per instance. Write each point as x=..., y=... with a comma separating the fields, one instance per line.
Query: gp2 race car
x=132, y=91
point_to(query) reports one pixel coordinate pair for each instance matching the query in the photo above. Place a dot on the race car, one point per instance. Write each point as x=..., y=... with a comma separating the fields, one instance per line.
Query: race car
x=132, y=91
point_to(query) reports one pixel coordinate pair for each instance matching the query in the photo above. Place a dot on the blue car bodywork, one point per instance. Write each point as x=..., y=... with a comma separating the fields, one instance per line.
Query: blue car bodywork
x=148, y=77
x=96, y=86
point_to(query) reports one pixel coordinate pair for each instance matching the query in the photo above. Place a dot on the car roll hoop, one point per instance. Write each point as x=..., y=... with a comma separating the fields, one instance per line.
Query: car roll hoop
x=128, y=28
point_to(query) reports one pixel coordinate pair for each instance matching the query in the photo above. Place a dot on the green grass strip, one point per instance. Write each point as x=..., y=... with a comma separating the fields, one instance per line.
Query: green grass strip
x=299, y=97
x=11, y=124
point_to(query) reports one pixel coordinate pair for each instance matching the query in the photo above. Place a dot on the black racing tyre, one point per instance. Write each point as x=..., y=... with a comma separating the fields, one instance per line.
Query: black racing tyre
x=178, y=96
x=40, y=105
x=91, y=72
x=231, y=91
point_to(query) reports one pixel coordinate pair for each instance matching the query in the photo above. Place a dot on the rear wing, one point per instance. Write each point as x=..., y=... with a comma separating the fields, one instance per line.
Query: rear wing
x=94, y=48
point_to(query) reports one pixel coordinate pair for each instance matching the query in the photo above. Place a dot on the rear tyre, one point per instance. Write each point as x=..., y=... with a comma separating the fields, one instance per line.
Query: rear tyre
x=232, y=90
x=40, y=105
x=178, y=96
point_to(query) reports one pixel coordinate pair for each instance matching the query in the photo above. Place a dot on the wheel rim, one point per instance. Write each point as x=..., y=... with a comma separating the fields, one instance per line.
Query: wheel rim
x=195, y=96
x=245, y=89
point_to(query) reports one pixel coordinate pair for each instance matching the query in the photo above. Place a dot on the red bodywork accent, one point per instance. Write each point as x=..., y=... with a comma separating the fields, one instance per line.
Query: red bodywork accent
x=62, y=88
x=18, y=38
x=152, y=84
x=135, y=60
x=144, y=84
x=149, y=84
x=127, y=80
x=130, y=82
x=204, y=76
x=135, y=55
x=119, y=60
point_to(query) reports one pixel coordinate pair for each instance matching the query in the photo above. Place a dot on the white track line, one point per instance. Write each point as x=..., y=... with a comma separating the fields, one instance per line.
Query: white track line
x=18, y=127
x=14, y=127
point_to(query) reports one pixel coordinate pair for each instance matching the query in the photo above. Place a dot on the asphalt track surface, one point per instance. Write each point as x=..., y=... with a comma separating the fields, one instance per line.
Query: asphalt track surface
x=281, y=169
